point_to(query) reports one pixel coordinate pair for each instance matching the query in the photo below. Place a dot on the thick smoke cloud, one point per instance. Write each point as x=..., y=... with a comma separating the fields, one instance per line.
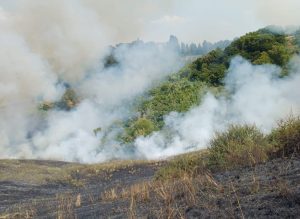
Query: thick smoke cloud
x=256, y=96
x=190, y=20
x=26, y=79
x=107, y=97
x=66, y=41
x=65, y=33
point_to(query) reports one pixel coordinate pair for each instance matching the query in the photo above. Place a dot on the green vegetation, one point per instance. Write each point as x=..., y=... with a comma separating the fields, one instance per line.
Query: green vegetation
x=140, y=127
x=263, y=47
x=177, y=96
x=184, y=89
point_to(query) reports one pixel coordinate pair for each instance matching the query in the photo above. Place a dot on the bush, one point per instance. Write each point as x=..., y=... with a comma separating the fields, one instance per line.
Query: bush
x=240, y=145
x=171, y=96
x=140, y=127
x=285, y=139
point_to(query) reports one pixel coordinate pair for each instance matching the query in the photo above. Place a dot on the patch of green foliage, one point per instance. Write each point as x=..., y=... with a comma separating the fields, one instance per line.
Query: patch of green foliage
x=177, y=96
x=209, y=69
x=184, y=89
x=139, y=127
x=262, y=47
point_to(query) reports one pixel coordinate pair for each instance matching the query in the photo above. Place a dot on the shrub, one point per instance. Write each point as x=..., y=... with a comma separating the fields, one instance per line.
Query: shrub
x=240, y=145
x=140, y=127
x=285, y=139
x=179, y=96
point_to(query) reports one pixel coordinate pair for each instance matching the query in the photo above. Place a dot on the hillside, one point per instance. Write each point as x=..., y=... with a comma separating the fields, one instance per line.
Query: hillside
x=184, y=89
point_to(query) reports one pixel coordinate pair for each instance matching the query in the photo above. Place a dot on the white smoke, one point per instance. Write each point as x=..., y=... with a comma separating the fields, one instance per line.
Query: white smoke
x=107, y=95
x=26, y=79
x=45, y=42
x=256, y=96
x=66, y=33
x=140, y=66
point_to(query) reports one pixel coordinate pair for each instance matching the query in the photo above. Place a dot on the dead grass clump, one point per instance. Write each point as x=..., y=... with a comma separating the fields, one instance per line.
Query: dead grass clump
x=171, y=197
x=186, y=165
x=22, y=213
x=176, y=196
x=140, y=191
x=66, y=206
x=286, y=138
x=240, y=145
x=110, y=195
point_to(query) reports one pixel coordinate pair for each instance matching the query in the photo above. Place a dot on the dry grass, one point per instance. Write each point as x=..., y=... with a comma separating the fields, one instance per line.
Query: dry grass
x=22, y=214
x=109, y=195
x=43, y=172
x=32, y=171
x=184, y=165
x=72, y=174
x=285, y=138
x=240, y=145
x=66, y=206
x=165, y=194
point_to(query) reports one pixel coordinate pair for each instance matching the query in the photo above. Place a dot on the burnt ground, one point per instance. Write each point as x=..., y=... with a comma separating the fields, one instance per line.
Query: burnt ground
x=269, y=190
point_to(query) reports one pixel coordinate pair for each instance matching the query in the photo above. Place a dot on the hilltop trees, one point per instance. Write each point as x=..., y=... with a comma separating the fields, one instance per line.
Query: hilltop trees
x=261, y=47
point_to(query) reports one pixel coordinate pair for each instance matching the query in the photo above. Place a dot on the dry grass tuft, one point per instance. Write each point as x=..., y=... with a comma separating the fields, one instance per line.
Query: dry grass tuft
x=66, y=206
x=240, y=145
x=286, y=138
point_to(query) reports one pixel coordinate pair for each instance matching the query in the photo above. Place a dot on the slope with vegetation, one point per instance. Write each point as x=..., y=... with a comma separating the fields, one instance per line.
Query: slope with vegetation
x=183, y=90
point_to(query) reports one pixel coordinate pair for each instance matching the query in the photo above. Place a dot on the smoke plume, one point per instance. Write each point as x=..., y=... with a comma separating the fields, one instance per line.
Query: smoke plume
x=66, y=41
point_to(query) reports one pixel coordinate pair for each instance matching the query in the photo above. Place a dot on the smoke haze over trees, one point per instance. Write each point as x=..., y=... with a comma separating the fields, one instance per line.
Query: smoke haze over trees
x=66, y=95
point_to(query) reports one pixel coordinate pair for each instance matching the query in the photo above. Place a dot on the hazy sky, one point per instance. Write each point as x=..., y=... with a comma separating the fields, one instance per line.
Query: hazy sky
x=190, y=20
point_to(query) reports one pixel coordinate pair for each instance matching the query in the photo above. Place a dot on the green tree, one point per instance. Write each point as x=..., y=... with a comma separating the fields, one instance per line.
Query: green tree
x=264, y=58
